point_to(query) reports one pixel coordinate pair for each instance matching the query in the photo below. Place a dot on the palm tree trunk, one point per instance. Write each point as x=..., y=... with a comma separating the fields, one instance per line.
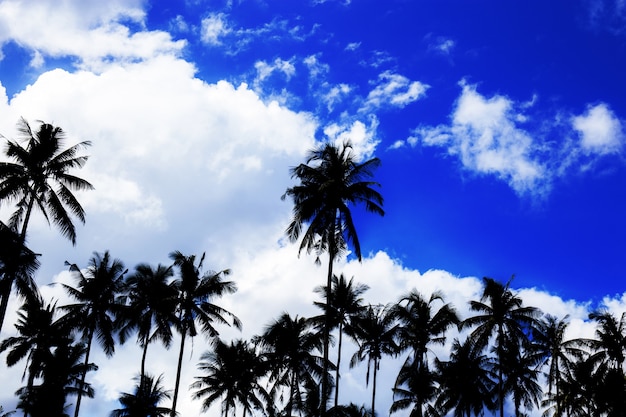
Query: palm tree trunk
x=143, y=359
x=374, y=388
x=183, y=336
x=338, y=364
x=84, y=375
x=324, y=396
x=27, y=218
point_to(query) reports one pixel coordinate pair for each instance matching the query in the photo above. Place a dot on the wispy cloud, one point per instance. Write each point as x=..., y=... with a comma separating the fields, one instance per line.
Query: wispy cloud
x=213, y=28
x=394, y=90
x=599, y=130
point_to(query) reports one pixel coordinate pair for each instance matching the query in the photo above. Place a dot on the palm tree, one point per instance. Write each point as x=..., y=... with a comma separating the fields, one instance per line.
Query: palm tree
x=288, y=345
x=97, y=305
x=466, y=382
x=331, y=181
x=375, y=331
x=611, y=337
x=558, y=354
x=522, y=371
x=150, y=308
x=7, y=414
x=232, y=373
x=346, y=303
x=62, y=374
x=39, y=177
x=145, y=400
x=416, y=386
x=39, y=333
x=196, y=292
x=500, y=315
x=17, y=266
x=419, y=327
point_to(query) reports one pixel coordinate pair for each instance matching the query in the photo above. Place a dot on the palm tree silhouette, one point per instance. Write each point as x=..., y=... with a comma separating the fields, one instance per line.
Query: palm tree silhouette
x=466, y=381
x=17, y=267
x=376, y=331
x=196, y=292
x=420, y=326
x=501, y=315
x=331, y=180
x=232, y=373
x=39, y=177
x=145, y=400
x=288, y=344
x=150, y=308
x=97, y=305
x=346, y=303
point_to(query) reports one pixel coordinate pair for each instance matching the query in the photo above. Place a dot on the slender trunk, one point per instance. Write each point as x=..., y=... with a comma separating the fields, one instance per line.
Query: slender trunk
x=338, y=364
x=183, y=336
x=374, y=388
x=84, y=375
x=143, y=359
x=500, y=376
x=5, y=289
x=324, y=396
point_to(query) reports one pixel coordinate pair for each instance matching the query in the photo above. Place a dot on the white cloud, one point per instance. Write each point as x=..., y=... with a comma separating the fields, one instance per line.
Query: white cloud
x=265, y=70
x=484, y=134
x=394, y=90
x=599, y=129
x=88, y=31
x=362, y=136
x=213, y=28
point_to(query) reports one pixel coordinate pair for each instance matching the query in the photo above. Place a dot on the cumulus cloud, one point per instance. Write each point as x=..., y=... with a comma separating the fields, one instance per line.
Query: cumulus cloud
x=213, y=27
x=600, y=131
x=362, y=137
x=485, y=135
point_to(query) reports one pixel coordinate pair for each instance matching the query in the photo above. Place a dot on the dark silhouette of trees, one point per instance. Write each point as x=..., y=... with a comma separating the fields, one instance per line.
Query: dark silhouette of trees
x=145, y=400
x=331, y=181
x=195, y=304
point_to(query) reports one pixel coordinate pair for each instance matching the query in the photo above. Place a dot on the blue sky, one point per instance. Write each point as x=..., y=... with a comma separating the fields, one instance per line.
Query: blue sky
x=500, y=126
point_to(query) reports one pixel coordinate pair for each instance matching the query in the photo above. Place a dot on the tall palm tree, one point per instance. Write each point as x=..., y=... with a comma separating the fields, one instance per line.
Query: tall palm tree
x=375, y=331
x=17, y=267
x=346, y=303
x=420, y=326
x=466, y=381
x=522, y=368
x=38, y=176
x=500, y=315
x=331, y=181
x=232, y=372
x=288, y=344
x=145, y=400
x=97, y=304
x=416, y=387
x=610, y=339
x=558, y=354
x=196, y=293
x=150, y=308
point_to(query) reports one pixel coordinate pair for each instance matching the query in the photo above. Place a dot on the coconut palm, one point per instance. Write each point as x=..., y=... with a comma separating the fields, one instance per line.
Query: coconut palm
x=331, y=181
x=145, y=400
x=346, y=303
x=288, y=345
x=522, y=368
x=17, y=267
x=415, y=388
x=420, y=326
x=196, y=294
x=376, y=331
x=466, y=381
x=610, y=339
x=500, y=315
x=558, y=354
x=97, y=305
x=150, y=308
x=231, y=373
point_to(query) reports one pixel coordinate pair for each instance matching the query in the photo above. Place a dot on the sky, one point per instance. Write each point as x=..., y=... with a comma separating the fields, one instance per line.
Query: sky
x=500, y=127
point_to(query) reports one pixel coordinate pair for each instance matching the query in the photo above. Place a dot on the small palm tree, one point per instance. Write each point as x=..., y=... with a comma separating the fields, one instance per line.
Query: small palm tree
x=150, y=308
x=500, y=314
x=346, y=303
x=97, y=304
x=375, y=331
x=196, y=293
x=331, y=181
x=232, y=373
x=288, y=345
x=466, y=381
x=145, y=400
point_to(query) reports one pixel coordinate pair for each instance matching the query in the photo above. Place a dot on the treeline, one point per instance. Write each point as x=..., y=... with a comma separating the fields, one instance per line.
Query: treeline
x=504, y=353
